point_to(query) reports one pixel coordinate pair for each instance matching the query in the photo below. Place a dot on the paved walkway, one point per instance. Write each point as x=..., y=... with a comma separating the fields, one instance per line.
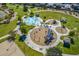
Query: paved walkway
x=4, y=36
x=36, y=47
x=10, y=49
x=67, y=33
x=16, y=29
x=60, y=12
x=13, y=18
x=33, y=45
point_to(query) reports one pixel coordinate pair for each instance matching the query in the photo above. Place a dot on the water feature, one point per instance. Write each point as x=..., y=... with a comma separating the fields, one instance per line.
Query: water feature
x=36, y=21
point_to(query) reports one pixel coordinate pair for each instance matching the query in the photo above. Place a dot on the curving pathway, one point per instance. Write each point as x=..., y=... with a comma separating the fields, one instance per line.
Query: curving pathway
x=10, y=48
x=13, y=18
x=60, y=12
x=36, y=47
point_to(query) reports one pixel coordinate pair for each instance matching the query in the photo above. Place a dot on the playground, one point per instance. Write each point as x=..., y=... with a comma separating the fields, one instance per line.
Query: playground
x=38, y=36
x=42, y=32
x=61, y=30
x=45, y=36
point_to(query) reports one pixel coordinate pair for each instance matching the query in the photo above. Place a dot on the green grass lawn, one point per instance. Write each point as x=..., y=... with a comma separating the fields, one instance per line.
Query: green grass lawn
x=19, y=10
x=26, y=27
x=6, y=28
x=71, y=24
x=2, y=40
x=25, y=49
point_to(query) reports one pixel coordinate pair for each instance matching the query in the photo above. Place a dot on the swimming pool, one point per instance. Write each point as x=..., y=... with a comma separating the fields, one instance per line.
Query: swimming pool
x=36, y=21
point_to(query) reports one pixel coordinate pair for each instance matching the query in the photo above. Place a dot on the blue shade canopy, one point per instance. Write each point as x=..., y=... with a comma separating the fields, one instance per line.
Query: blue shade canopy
x=22, y=38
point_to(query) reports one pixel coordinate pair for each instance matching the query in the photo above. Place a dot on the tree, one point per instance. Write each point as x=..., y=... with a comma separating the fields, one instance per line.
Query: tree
x=31, y=14
x=4, y=5
x=63, y=20
x=71, y=33
x=54, y=22
x=72, y=40
x=7, y=21
x=23, y=28
x=25, y=8
x=44, y=18
x=54, y=52
x=17, y=6
x=9, y=16
x=63, y=26
x=12, y=36
x=37, y=14
x=19, y=18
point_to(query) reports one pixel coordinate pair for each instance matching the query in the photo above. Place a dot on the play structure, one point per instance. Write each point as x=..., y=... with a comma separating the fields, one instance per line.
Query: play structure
x=49, y=37
x=42, y=37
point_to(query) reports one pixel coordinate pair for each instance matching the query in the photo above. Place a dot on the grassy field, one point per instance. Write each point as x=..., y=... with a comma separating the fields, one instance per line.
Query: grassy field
x=6, y=28
x=71, y=24
x=2, y=40
x=19, y=10
x=25, y=49
x=26, y=27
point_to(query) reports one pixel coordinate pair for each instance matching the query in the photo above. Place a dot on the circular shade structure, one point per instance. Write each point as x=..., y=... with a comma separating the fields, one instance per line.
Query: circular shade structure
x=35, y=21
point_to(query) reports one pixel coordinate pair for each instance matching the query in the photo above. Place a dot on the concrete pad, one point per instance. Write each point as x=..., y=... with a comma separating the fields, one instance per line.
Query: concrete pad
x=10, y=49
